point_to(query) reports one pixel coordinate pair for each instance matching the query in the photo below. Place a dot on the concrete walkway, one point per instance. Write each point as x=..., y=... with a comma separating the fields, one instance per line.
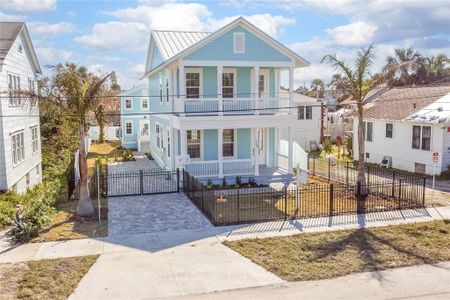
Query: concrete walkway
x=419, y=282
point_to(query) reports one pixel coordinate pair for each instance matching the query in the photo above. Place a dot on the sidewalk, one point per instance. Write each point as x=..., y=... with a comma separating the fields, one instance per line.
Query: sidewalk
x=419, y=282
x=71, y=248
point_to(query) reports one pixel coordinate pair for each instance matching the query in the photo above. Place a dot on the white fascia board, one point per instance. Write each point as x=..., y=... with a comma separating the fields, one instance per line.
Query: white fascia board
x=234, y=63
x=30, y=48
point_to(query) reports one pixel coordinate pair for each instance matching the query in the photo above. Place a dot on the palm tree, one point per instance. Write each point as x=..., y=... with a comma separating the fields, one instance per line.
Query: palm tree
x=78, y=91
x=361, y=82
x=406, y=67
x=437, y=67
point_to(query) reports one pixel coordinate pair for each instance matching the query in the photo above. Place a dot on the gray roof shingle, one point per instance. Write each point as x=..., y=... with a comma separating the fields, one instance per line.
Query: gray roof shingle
x=8, y=34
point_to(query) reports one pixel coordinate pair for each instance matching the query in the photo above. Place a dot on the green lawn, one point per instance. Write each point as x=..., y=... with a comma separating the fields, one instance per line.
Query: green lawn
x=312, y=256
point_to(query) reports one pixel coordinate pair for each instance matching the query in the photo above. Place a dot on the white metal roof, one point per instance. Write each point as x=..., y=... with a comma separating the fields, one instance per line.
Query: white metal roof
x=171, y=43
x=436, y=112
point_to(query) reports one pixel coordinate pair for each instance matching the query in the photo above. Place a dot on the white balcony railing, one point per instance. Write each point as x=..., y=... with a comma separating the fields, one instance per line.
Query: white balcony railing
x=211, y=168
x=266, y=105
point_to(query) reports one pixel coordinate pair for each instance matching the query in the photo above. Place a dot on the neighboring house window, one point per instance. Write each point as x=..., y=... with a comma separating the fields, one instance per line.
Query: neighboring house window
x=305, y=112
x=228, y=143
x=158, y=136
x=128, y=104
x=389, y=130
x=14, y=87
x=129, y=128
x=34, y=139
x=421, y=137
x=192, y=85
x=168, y=143
x=193, y=143
x=239, y=42
x=369, y=131
x=227, y=85
x=18, y=149
x=167, y=90
x=144, y=103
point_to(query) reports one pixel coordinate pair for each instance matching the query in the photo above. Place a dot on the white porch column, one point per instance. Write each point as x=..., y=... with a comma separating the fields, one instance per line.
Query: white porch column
x=183, y=146
x=255, y=150
x=256, y=88
x=291, y=88
x=182, y=84
x=219, y=89
x=277, y=83
x=290, y=152
x=220, y=150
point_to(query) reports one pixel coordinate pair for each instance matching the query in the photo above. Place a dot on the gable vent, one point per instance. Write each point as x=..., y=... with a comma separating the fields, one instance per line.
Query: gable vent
x=239, y=42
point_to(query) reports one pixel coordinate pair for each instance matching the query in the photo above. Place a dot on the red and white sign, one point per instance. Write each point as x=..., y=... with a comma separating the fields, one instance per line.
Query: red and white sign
x=435, y=157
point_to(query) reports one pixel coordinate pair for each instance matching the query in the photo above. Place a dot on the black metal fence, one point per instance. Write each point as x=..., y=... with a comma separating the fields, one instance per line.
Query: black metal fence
x=234, y=206
x=347, y=173
x=142, y=182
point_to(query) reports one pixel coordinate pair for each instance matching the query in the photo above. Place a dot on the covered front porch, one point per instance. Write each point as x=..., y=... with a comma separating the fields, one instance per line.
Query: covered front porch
x=219, y=153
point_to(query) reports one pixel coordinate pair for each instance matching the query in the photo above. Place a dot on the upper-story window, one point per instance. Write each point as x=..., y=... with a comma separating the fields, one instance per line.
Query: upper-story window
x=144, y=103
x=35, y=139
x=158, y=136
x=305, y=112
x=167, y=90
x=18, y=149
x=228, y=84
x=193, y=143
x=14, y=88
x=128, y=104
x=168, y=142
x=193, y=85
x=160, y=88
x=129, y=127
x=239, y=42
x=389, y=130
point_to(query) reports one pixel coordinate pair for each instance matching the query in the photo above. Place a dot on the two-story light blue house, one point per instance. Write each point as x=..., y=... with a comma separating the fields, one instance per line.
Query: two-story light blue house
x=221, y=112
x=134, y=118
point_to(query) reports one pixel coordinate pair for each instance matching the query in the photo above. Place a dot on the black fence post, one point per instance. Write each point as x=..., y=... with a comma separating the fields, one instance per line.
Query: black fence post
x=393, y=183
x=358, y=197
x=331, y=199
x=238, y=206
x=314, y=164
x=285, y=203
x=399, y=194
x=141, y=181
x=346, y=173
x=105, y=182
x=178, y=180
x=423, y=191
x=201, y=204
x=329, y=168
x=368, y=174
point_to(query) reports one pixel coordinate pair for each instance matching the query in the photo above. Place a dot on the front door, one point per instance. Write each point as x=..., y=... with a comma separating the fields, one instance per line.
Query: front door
x=144, y=128
x=263, y=88
x=260, y=147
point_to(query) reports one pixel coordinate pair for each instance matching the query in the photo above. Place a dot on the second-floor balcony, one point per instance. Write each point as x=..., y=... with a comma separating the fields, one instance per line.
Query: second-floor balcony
x=233, y=106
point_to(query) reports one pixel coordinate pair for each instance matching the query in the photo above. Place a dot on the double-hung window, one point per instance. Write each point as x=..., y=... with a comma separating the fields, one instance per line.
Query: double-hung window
x=228, y=143
x=18, y=149
x=128, y=104
x=389, y=130
x=228, y=84
x=144, y=103
x=369, y=131
x=34, y=139
x=14, y=88
x=305, y=112
x=193, y=143
x=421, y=137
x=167, y=90
x=168, y=142
x=192, y=85
x=129, y=127
x=158, y=136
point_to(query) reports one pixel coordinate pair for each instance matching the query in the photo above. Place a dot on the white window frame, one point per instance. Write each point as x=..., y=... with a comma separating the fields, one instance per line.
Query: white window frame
x=200, y=90
x=421, y=137
x=158, y=129
x=35, y=139
x=160, y=88
x=167, y=90
x=142, y=103
x=201, y=145
x=131, y=104
x=302, y=112
x=366, y=130
x=126, y=125
x=235, y=36
x=386, y=131
x=234, y=144
x=15, y=151
x=234, y=72
x=169, y=147
x=14, y=100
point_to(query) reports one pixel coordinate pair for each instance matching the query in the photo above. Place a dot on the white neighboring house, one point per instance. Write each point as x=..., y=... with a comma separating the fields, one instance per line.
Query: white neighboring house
x=20, y=142
x=307, y=129
x=406, y=125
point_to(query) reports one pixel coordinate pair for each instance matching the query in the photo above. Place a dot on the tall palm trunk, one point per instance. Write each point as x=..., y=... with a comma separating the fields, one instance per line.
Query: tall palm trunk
x=85, y=206
x=361, y=147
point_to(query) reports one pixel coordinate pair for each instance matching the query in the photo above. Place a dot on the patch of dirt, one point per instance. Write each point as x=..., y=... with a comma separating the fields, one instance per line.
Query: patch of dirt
x=10, y=277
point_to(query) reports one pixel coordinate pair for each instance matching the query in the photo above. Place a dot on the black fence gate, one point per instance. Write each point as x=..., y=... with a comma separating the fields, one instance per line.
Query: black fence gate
x=142, y=182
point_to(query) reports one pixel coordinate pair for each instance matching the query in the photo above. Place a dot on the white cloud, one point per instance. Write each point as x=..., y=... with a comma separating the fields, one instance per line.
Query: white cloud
x=96, y=68
x=52, y=55
x=354, y=34
x=115, y=35
x=10, y=18
x=28, y=6
x=43, y=28
x=137, y=70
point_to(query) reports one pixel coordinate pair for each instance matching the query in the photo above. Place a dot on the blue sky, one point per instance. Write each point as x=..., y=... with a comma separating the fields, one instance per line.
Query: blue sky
x=113, y=35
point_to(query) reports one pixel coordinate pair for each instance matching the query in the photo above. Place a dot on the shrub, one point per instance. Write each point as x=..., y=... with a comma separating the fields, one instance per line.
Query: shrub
x=327, y=146
x=349, y=145
x=127, y=155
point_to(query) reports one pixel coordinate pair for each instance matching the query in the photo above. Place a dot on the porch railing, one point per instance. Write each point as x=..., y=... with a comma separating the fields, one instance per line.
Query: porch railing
x=269, y=105
x=203, y=168
x=238, y=167
x=211, y=168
